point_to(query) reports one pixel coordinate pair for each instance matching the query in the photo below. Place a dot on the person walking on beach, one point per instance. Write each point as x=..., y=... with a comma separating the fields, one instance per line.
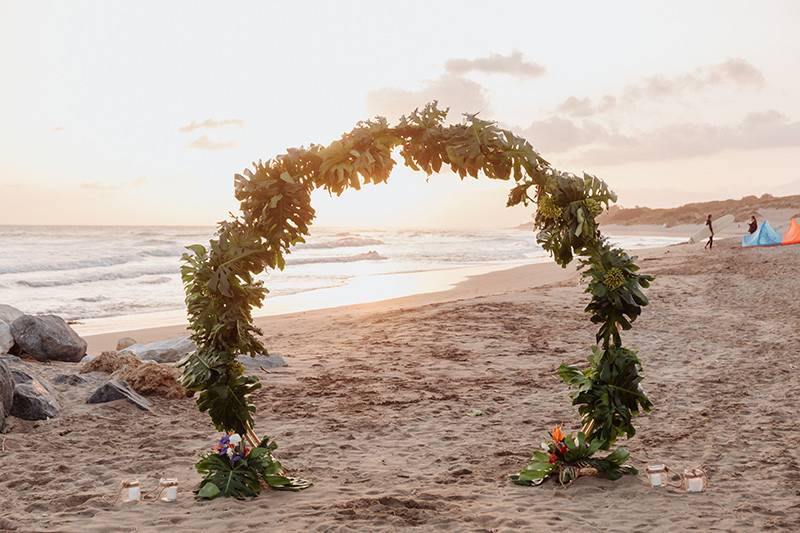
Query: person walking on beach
x=753, y=225
x=710, y=244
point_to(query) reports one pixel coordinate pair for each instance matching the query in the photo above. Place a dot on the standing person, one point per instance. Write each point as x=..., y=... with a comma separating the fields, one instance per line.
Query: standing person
x=710, y=243
x=753, y=225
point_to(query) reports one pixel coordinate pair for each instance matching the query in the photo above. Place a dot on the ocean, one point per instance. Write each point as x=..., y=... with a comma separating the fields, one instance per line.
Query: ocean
x=105, y=278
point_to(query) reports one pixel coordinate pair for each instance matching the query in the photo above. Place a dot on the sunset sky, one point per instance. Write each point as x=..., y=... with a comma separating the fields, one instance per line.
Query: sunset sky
x=141, y=112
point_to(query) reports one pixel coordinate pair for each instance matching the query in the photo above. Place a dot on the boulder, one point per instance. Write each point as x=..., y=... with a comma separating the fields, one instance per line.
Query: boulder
x=117, y=389
x=69, y=379
x=48, y=338
x=124, y=342
x=32, y=401
x=6, y=392
x=9, y=314
x=260, y=362
x=168, y=351
x=6, y=339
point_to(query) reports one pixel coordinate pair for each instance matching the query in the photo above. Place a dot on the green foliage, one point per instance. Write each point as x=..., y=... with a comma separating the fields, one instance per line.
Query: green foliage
x=617, y=291
x=567, y=459
x=239, y=481
x=608, y=392
x=275, y=200
x=242, y=474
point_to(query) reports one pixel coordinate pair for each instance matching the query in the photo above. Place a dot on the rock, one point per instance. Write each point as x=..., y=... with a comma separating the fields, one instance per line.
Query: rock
x=11, y=359
x=32, y=401
x=88, y=358
x=116, y=389
x=6, y=392
x=167, y=351
x=6, y=339
x=69, y=379
x=124, y=342
x=48, y=338
x=262, y=361
x=9, y=314
x=21, y=375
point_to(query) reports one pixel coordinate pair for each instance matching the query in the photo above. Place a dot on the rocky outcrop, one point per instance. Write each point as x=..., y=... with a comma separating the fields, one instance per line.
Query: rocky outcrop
x=125, y=342
x=9, y=314
x=116, y=389
x=6, y=392
x=168, y=351
x=47, y=338
x=262, y=362
x=69, y=379
x=6, y=339
x=33, y=401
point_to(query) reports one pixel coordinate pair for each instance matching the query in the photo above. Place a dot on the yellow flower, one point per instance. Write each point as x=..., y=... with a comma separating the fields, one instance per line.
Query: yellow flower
x=593, y=206
x=548, y=209
x=614, y=278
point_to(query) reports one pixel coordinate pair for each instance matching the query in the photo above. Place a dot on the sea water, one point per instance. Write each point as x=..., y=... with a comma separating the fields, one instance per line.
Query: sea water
x=106, y=278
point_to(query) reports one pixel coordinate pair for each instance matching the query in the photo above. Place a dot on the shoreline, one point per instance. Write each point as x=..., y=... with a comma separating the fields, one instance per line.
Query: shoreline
x=495, y=282
x=473, y=286
x=376, y=293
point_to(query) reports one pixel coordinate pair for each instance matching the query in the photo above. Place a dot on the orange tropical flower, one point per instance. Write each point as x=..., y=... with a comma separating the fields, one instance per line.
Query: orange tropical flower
x=557, y=434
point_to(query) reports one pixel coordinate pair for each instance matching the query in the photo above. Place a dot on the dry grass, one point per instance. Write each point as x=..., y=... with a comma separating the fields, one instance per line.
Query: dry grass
x=150, y=379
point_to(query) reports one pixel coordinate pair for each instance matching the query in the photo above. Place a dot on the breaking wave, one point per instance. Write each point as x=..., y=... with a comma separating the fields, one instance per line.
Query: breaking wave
x=345, y=242
x=369, y=256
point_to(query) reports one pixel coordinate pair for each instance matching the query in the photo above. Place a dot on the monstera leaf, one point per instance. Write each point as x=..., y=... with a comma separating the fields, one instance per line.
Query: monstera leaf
x=221, y=478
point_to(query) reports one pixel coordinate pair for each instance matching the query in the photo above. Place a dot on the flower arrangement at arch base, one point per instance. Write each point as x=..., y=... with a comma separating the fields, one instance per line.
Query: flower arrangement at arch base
x=234, y=469
x=569, y=457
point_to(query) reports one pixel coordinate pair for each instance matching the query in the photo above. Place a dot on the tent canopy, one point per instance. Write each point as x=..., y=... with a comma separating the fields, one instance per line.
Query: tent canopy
x=764, y=236
x=792, y=235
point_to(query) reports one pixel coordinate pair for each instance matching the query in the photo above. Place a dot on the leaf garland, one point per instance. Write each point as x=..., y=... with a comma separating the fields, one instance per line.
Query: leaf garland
x=275, y=201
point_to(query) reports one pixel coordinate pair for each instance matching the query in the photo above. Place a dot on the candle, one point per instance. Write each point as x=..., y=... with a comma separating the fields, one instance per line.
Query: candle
x=134, y=492
x=657, y=474
x=170, y=489
x=695, y=480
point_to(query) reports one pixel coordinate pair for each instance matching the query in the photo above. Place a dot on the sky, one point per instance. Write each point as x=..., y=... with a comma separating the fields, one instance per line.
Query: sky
x=141, y=112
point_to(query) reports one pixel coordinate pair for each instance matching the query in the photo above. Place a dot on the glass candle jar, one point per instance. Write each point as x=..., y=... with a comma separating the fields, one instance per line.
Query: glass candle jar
x=657, y=475
x=170, y=487
x=133, y=490
x=695, y=480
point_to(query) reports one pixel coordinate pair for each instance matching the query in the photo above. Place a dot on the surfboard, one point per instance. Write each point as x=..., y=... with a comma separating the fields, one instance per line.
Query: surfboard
x=719, y=224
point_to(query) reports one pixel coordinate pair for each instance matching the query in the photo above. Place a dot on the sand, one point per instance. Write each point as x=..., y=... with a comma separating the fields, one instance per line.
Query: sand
x=375, y=409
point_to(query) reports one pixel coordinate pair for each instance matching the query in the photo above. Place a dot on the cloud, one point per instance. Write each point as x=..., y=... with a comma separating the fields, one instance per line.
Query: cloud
x=125, y=185
x=733, y=72
x=459, y=94
x=210, y=123
x=558, y=134
x=513, y=64
x=204, y=143
x=588, y=142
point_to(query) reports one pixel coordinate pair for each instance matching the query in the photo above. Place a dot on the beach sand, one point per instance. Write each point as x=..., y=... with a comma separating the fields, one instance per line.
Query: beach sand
x=375, y=408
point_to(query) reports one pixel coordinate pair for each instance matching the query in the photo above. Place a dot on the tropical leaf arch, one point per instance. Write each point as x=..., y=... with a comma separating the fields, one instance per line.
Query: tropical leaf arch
x=275, y=201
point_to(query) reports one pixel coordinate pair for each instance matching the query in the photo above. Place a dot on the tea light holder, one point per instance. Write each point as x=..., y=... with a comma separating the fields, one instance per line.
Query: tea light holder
x=170, y=488
x=695, y=480
x=658, y=475
x=133, y=491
